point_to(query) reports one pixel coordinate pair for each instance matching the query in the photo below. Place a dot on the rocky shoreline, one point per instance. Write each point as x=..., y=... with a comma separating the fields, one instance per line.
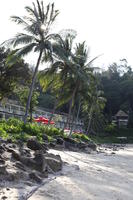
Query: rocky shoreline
x=27, y=166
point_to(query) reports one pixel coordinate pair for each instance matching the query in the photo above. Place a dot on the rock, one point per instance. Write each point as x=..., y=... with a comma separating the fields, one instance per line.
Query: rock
x=4, y=197
x=10, y=150
x=2, y=161
x=2, y=149
x=60, y=141
x=9, y=141
x=45, y=137
x=25, y=152
x=54, y=162
x=35, y=177
x=34, y=145
x=52, y=144
x=82, y=145
x=3, y=170
x=93, y=146
x=45, y=147
x=20, y=166
x=70, y=143
x=15, y=155
x=113, y=153
x=40, y=162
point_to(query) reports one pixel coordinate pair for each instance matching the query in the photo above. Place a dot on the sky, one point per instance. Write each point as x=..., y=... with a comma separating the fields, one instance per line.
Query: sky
x=105, y=25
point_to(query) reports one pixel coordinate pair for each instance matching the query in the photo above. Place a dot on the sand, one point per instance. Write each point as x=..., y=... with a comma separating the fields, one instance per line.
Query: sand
x=103, y=176
x=107, y=175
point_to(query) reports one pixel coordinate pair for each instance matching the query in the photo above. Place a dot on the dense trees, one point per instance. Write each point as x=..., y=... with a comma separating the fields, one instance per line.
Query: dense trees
x=117, y=84
x=37, y=38
x=69, y=80
x=12, y=76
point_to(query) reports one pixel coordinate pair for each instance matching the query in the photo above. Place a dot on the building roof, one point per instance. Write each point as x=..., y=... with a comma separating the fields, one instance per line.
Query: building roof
x=121, y=113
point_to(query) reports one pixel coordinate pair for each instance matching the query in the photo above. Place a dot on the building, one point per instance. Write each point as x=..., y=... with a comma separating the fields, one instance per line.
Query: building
x=12, y=108
x=121, y=119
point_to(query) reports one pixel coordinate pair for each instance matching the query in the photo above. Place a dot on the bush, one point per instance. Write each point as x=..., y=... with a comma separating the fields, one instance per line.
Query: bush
x=3, y=133
x=81, y=137
x=110, y=128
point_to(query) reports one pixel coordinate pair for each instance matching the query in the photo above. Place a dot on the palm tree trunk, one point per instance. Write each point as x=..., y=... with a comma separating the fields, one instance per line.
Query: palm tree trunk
x=72, y=122
x=70, y=106
x=77, y=118
x=32, y=87
x=53, y=111
x=89, y=123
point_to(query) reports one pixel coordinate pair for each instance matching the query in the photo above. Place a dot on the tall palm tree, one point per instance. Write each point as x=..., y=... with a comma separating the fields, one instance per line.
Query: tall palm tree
x=62, y=67
x=37, y=38
x=81, y=75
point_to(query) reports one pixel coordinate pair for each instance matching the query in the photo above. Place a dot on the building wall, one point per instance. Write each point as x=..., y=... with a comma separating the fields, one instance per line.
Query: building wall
x=13, y=109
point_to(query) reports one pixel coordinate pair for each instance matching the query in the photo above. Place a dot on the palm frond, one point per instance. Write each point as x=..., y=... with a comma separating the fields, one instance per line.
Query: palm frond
x=25, y=50
x=19, y=20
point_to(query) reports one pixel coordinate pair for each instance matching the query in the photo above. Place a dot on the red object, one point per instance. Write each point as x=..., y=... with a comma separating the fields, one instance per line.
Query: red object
x=43, y=120
x=52, y=122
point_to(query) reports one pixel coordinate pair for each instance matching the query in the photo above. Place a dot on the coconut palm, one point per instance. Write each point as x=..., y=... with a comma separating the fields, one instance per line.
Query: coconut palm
x=37, y=38
x=56, y=77
x=81, y=76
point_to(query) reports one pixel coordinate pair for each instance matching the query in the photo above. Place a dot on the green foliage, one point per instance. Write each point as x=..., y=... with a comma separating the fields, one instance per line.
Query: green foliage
x=110, y=128
x=3, y=133
x=81, y=137
x=12, y=76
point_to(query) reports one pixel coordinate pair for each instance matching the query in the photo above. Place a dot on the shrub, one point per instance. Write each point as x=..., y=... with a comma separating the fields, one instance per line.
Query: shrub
x=3, y=133
x=110, y=128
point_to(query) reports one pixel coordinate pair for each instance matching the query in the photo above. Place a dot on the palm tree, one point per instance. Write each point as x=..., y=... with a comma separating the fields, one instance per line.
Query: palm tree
x=60, y=70
x=93, y=106
x=81, y=75
x=37, y=38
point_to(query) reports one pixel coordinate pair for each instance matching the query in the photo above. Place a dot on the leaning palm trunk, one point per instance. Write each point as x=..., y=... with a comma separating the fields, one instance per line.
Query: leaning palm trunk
x=90, y=120
x=32, y=87
x=71, y=130
x=70, y=106
x=77, y=118
x=53, y=112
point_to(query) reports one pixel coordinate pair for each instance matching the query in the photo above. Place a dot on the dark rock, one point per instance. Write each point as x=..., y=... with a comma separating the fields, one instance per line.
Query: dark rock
x=70, y=140
x=25, y=152
x=45, y=137
x=52, y=144
x=4, y=197
x=82, y=145
x=35, y=177
x=113, y=153
x=70, y=143
x=60, y=141
x=16, y=155
x=34, y=145
x=2, y=161
x=54, y=162
x=93, y=146
x=45, y=146
x=9, y=141
x=10, y=150
x=40, y=163
x=3, y=170
x=20, y=166
x=2, y=148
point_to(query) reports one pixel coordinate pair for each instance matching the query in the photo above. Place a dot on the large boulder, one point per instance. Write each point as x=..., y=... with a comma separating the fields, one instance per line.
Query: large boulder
x=60, y=141
x=34, y=145
x=70, y=143
x=45, y=137
x=37, y=163
x=82, y=145
x=54, y=162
